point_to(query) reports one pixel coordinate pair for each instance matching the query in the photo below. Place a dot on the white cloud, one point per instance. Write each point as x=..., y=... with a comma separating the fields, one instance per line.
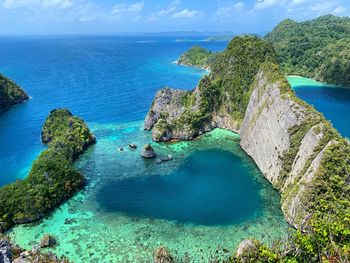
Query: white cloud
x=228, y=10
x=262, y=4
x=33, y=4
x=339, y=10
x=186, y=14
x=125, y=11
x=124, y=8
x=172, y=11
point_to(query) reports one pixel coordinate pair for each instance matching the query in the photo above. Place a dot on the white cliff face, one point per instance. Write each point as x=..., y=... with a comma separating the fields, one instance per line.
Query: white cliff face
x=265, y=129
x=265, y=136
x=307, y=148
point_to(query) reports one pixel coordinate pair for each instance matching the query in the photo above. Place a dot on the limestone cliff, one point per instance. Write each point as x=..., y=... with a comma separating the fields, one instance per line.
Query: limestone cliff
x=247, y=93
x=10, y=93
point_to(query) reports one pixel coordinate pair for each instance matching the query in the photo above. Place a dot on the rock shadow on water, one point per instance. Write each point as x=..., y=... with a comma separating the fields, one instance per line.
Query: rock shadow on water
x=212, y=187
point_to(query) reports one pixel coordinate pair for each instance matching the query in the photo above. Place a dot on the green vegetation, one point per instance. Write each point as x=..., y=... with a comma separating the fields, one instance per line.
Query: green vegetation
x=325, y=235
x=198, y=57
x=10, y=93
x=52, y=178
x=317, y=49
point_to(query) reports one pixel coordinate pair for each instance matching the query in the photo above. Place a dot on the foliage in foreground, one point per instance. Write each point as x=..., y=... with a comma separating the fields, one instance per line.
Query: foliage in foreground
x=52, y=178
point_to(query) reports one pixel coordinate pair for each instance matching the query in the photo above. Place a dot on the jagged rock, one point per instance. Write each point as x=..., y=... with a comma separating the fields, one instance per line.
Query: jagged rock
x=244, y=247
x=47, y=241
x=162, y=255
x=148, y=152
x=133, y=146
x=5, y=251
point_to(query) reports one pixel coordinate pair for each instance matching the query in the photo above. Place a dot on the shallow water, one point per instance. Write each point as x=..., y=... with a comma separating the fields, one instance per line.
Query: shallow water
x=200, y=205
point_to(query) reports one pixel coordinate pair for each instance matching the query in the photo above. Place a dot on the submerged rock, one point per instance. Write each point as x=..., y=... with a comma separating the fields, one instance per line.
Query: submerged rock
x=162, y=255
x=47, y=241
x=245, y=247
x=133, y=146
x=148, y=152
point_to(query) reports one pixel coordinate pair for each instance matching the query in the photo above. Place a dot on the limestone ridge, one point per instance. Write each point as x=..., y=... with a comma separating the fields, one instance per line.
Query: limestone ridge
x=288, y=139
x=10, y=93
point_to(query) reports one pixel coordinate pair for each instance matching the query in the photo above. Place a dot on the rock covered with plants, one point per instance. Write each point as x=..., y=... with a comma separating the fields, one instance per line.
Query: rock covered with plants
x=52, y=178
x=10, y=93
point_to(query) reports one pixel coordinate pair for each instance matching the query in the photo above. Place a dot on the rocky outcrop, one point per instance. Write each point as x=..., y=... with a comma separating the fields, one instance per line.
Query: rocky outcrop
x=286, y=137
x=47, y=241
x=162, y=255
x=10, y=93
x=5, y=251
x=148, y=152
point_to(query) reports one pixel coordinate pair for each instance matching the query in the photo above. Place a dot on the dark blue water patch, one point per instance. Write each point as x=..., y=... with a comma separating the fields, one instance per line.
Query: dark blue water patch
x=213, y=187
x=333, y=102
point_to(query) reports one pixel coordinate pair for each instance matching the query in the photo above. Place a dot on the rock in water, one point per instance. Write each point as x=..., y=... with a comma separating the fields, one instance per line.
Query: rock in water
x=162, y=255
x=148, y=152
x=5, y=251
x=47, y=241
x=133, y=146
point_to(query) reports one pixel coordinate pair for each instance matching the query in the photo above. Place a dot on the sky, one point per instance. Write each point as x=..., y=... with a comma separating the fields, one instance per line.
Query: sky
x=118, y=16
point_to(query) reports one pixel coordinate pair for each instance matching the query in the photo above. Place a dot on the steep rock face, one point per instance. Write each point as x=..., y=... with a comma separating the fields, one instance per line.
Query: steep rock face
x=287, y=138
x=273, y=117
x=10, y=93
x=264, y=132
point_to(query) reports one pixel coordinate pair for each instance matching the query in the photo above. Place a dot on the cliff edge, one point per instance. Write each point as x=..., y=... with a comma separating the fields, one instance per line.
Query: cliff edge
x=294, y=146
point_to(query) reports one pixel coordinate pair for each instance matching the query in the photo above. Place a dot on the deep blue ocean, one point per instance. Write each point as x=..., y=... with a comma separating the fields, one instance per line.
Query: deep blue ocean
x=209, y=198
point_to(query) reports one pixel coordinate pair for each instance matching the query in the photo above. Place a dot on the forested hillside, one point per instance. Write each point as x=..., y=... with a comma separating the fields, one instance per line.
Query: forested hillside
x=317, y=49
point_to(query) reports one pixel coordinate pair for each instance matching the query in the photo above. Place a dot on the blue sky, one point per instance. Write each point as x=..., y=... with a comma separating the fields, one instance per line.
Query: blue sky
x=107, y=16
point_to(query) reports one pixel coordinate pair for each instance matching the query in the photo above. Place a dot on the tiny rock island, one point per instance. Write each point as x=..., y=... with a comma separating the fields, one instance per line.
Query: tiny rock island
x=294, y=146
x=10, y=93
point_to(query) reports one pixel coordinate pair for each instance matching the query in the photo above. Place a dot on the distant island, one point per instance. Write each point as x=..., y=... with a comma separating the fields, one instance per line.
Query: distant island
x=224, y=38
x=197, y=57
x=10, y=93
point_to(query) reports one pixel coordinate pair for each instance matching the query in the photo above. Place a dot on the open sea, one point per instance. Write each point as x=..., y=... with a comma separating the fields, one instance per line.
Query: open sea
x=200, y=205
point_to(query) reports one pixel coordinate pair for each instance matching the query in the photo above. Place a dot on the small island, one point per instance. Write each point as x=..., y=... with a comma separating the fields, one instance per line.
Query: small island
x=10, y=93
x=52, y=178
x=197, y=57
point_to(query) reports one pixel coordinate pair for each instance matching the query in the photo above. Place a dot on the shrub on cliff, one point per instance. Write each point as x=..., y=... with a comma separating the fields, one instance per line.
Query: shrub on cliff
x=52, y=178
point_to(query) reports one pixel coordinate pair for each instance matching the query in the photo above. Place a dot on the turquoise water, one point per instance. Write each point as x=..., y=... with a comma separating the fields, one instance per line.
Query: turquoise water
x=181, y=198
x=200, y=205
